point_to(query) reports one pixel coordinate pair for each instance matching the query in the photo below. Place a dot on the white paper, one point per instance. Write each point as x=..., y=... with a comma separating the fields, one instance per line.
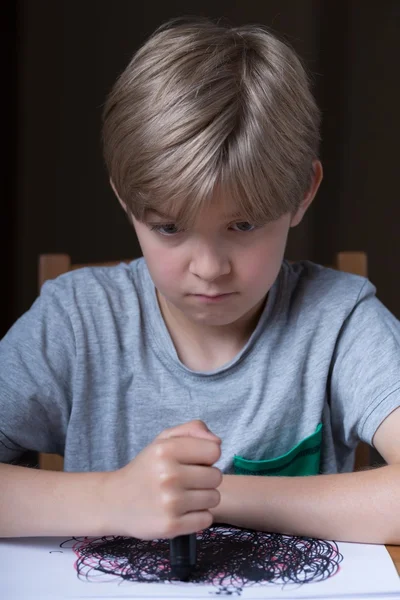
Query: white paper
x=33, y=568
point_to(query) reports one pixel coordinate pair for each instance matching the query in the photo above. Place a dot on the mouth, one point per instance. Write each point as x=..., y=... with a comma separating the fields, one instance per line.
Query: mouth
x=213, y=297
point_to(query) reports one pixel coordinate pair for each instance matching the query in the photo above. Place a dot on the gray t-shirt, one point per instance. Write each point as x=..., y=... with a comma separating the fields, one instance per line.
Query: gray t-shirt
x=90, y=372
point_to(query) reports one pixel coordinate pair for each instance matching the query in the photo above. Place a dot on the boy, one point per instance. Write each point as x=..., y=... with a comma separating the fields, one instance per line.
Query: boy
x=200, y=384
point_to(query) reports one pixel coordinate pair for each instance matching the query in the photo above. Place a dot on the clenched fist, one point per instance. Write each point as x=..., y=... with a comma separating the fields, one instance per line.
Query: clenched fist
x=168, y=489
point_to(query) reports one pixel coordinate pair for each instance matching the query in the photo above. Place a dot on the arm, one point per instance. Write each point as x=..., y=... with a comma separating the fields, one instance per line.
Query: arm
x=364, y=389
x=47, y=503
x=354, y=507
x=167, y=490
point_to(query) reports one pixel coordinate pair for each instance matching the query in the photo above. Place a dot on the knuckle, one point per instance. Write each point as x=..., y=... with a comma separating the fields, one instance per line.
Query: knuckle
x=170, y=503
x=162, y=450
x=168, y=477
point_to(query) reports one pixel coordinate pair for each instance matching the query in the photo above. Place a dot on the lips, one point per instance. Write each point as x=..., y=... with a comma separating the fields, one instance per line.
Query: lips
x=213, y=295
x=212, y=298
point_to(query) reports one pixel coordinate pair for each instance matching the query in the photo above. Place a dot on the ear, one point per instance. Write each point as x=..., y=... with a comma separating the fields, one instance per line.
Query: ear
x=122, y=203
x=310, y=195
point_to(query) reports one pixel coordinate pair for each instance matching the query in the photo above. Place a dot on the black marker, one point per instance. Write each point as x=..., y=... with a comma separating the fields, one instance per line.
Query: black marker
x=182, y=555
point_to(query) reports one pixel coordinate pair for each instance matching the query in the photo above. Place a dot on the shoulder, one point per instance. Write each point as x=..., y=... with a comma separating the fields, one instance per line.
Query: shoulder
x=92, y=284
x=92, y=295
x=92, y=305
x=307, y=283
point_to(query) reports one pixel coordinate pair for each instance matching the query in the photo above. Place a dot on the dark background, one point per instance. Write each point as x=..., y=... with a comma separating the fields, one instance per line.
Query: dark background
x=59, y=60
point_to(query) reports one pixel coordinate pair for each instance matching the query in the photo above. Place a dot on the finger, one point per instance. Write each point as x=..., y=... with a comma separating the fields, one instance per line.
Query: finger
x=196, y=477
x=194, y=428
x=197, y=500
x=192, y=522
x=187, y=450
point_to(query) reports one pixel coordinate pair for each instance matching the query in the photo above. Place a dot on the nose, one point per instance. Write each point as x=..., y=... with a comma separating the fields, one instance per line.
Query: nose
x=209, y=263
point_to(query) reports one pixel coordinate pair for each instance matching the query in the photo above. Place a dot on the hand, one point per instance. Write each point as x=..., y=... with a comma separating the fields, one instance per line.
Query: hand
x=170, y=487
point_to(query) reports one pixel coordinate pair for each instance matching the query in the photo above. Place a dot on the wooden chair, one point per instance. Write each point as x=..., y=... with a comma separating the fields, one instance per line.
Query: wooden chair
x=53, y=265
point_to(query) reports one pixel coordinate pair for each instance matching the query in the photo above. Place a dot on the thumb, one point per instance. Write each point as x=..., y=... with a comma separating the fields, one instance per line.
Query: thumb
x=195, y=428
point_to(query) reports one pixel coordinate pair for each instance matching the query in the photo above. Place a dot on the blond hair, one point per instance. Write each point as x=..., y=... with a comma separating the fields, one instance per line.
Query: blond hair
x=203, y=105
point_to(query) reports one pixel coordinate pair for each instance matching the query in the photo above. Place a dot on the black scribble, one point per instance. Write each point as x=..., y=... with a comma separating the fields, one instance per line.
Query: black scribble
x=228, y=558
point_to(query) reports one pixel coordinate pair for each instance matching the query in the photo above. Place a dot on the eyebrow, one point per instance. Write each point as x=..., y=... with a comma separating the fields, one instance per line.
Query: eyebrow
x=234, y=215
x=159, y=213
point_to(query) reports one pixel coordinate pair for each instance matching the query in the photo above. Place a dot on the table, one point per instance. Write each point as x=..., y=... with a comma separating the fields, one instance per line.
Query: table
x=394, y=552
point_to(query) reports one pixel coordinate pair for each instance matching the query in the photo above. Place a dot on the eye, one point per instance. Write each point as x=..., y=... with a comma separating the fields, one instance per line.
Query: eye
x=166, y=229
x=243, y=226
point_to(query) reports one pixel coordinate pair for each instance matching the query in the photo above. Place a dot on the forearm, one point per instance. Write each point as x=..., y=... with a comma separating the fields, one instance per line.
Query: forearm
x=35, y=502
x=355, y=507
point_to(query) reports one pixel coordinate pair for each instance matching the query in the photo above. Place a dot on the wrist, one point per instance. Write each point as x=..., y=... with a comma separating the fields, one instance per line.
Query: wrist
x=104, y=496
x=88, y=510
x=241, y=500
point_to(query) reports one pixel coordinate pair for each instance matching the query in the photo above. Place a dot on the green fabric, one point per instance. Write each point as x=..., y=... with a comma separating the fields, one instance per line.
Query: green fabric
x=302, y=459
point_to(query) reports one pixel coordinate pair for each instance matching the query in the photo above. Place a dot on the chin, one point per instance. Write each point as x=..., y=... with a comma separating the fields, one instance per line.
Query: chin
x=214, y=320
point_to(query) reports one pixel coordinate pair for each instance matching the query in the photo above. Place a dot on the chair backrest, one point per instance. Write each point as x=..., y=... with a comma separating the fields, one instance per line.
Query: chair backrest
x=352, y=262
x=356, y=263
x=53, y=265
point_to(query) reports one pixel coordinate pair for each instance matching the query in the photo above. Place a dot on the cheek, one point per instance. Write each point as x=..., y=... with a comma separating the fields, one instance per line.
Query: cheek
x=259, y=275
x=162, y=261
x=163, y=264
x=260, y=266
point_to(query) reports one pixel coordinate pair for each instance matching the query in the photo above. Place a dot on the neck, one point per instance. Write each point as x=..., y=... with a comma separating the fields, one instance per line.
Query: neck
x=206, y=347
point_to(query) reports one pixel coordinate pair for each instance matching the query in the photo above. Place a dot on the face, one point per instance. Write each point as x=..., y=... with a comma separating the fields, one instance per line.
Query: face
x=216, y=272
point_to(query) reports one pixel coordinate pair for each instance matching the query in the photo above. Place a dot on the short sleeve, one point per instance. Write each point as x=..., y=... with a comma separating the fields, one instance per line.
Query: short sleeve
x=37, y=358
x=365, y=376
